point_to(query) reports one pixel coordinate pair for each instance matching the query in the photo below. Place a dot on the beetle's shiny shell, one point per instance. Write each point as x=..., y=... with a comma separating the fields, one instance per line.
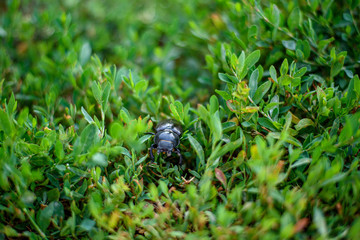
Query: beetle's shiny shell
x=167, y=137
x=170, y=125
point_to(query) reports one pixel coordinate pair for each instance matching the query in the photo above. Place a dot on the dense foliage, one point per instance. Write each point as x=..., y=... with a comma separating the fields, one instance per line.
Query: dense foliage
x=267, y=92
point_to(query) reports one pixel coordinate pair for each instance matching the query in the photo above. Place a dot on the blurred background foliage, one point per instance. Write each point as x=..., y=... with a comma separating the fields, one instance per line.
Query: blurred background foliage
x=267, y=92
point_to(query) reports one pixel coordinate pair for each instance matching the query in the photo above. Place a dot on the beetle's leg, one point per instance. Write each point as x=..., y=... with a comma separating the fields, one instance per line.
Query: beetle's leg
x=179, y=154
x=150, y=133
x=151, y=151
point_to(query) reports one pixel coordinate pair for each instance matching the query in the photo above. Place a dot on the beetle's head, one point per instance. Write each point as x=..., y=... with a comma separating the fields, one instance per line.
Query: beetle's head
x=165, y=146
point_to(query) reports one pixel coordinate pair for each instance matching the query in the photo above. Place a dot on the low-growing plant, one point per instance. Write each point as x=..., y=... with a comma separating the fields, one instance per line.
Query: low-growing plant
x=267, y=92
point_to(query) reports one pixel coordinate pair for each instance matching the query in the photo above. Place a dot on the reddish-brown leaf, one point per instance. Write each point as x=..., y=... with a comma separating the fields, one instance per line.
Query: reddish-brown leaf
x=220, y=176
x=301, y=225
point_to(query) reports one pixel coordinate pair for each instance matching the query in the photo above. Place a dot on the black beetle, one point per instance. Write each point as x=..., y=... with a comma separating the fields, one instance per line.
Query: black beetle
x=167, y=138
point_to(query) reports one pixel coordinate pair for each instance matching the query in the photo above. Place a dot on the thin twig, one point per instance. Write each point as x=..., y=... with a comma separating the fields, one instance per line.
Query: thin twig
x=42, y=234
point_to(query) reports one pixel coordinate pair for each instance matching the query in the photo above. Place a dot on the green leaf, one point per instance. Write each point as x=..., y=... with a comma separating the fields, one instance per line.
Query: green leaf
x=273, y=74
x=177, y=111
x=177, y=234
x=224, y=94
x=195, y=174
x=223, y=77
x=349, y=130
x=337, y=64
x=303, y=123
x=118, y=79
x=96, y=90
x=252, y=58
x=354, y=230
x=285, y=80
x=234, y=106
x=356, y=84
x=289, y=139
x=23, y=116
x=228, y=126
x=275, y=15
x=79, y=172
x=325, y=42
x=98, y=159
x=180, y=109
x=300, y=55
x=253, y=82
x=53, y=195
x=115, y=130
x=353, y=91
x=261, y=91
x=214, y=104
x=141, y=160
x=337, y=178
x=59, y=151
x=85, y=53
x=320, y=222
x=224, y=149
x=228, y=79
x=294, y=20
x=301, y=162
x=295, y=82
x=289, y=44
x=105, y=96
x=265, y=122
x=28, y=197
x=89, y=137
x=120, y=150
x=300, y=72
x=216, y=126
x=288, y=119
x=44, y=217
x=271, y=105
x=241, y=65
x=5, y=123
x=141, y=86
x=233, y=61
x=252, y=32
x=87, y=224
x=203, y=113
x=88, y=118
x=128, y=80
x=306, y=48
x=1, y=86
x=284, y=67
x=124, y=116
x=3, y=33
x=198, y=149
x=12, y=104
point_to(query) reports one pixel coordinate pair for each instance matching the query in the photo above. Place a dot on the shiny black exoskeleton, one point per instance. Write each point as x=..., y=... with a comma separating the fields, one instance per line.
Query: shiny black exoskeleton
x=167, y=138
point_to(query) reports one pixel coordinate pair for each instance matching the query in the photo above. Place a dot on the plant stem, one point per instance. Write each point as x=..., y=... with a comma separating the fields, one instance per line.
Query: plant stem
x=42, y=234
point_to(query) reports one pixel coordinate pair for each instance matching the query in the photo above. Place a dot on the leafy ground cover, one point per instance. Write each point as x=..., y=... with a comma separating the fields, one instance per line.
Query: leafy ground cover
x=267, y=92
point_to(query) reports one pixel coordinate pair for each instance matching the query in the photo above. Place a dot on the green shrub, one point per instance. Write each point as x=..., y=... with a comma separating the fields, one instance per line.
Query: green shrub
x=267, y=92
